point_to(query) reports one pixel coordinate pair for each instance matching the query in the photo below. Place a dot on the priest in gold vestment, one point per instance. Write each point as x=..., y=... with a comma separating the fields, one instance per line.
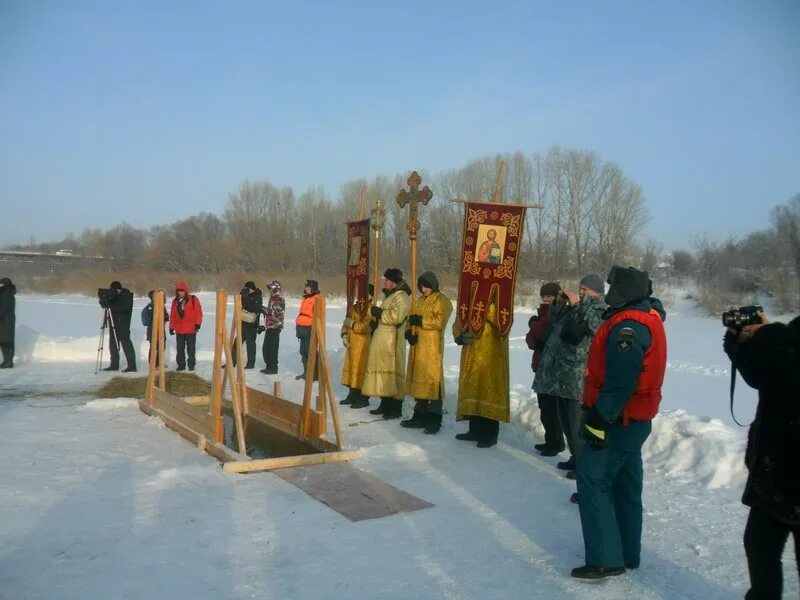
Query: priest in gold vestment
x=356, y=333
x=425, y=372
x=483, y=387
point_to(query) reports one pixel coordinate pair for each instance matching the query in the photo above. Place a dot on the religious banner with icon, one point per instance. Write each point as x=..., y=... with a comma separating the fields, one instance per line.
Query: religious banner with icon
x=490, y=251
x=357, y=265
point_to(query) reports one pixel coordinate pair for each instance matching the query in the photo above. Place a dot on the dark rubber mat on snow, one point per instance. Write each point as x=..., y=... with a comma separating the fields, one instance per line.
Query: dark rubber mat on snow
x=351, y=492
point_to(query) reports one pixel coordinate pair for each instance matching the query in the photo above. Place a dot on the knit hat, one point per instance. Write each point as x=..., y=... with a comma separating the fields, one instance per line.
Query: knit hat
x=550, y=289
x=429, y=280
x=393, y=275
x=627, y=286
x=249, y=284
x=313, y=284
x=593, y=281
x=115, y=285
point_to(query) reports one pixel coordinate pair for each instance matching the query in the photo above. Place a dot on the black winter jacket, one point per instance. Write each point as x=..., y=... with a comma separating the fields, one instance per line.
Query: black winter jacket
x=7, y=311
x=770, y=363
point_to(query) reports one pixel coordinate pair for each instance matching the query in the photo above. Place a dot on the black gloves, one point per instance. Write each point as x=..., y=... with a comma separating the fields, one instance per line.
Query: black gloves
x=411, y=338
x=376, y=311
x=415, y=320
x=172, y=332
x=261, y=329
x=465, y=338
x=594, y=429
x=197, y=327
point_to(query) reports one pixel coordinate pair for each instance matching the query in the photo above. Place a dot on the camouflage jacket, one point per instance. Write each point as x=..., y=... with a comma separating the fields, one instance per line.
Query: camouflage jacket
x=562, y=369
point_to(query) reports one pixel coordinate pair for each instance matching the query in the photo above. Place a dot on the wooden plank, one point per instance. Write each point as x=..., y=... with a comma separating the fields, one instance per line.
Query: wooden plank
x=239, y=401
x=198, y=401
x=196, y=418
x=217, y=382
x=268, y=464
x=351, y=492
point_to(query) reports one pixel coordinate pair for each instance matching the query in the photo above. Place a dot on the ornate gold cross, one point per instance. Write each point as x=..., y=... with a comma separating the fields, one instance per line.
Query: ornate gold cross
x=413, y=197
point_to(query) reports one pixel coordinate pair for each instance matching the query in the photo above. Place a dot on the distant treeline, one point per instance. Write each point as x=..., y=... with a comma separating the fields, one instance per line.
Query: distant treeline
x=592, y=216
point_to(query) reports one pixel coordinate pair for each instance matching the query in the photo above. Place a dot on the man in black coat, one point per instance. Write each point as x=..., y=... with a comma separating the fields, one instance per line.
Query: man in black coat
x=119, y=302
x=768, y=358
x=252, y=302
x=7, y=321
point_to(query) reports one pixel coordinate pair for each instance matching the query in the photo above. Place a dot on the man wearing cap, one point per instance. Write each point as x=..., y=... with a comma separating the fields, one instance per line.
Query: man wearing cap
x=303, y=323
x=561, y=372
x=539, y=327
x=386, y=365
x=624, y=375
x=356, y=332
x=273, y=325
x=425, y=373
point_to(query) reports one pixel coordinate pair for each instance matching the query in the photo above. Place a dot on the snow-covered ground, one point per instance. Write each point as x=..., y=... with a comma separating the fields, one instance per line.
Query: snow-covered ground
x=100, y=501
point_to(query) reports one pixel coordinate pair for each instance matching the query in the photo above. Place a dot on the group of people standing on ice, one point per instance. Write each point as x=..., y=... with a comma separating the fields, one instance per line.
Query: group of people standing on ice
x=599, y=360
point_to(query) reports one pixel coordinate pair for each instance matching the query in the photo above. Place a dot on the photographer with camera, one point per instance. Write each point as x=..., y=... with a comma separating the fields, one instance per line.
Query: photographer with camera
x=117, y=302
x=768, y=357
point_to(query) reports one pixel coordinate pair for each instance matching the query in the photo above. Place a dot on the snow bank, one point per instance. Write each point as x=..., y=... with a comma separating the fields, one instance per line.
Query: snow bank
x=696, y=449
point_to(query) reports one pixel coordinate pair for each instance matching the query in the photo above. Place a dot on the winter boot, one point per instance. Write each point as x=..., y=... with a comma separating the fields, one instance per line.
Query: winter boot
x=112, y=368
x=489, y=428
x=472, y=434
x=418, y=421
x=434, y=423
x=351, y=396
x=361, y=401
x=394, y=409
x=382, y=407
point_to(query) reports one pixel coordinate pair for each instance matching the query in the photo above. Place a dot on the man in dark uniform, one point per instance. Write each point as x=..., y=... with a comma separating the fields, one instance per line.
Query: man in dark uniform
x=624, y=375
x=119, y=302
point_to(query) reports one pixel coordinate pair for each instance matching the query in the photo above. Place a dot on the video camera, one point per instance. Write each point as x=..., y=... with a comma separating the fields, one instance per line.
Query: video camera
x=736, y=318
x=105, y=297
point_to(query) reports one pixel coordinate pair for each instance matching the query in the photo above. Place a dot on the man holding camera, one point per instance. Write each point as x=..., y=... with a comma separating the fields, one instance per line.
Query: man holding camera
x=622, y=393
x=561, y=371
x=252, y=303
x=118, y=304
x=768, y=357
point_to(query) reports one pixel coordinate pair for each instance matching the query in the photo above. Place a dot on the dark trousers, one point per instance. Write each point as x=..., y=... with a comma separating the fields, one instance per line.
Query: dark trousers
x=304, y=335
x=764, y=540
x=548, y=413
x=569, y=415
x=8, y=352
x=610, y=485
x=186, y=343
x=484, y=429
x=249, y=332
x=428, y=406
x=124, y=338
x=272, y=340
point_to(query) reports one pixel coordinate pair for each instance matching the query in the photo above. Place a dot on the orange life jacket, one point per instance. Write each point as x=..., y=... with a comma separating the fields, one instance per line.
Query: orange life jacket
x=644, y=402
x=306, y=316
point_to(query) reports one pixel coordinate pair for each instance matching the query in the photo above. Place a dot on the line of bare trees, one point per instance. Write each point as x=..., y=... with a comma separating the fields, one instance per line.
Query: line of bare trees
x=764, y=263
x=590, y=217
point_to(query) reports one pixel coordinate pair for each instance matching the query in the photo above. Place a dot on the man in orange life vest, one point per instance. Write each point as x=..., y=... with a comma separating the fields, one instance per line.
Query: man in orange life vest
x=624, y=374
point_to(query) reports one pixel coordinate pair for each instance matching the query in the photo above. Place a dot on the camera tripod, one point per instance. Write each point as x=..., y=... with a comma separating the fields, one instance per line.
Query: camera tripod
x=108, y=321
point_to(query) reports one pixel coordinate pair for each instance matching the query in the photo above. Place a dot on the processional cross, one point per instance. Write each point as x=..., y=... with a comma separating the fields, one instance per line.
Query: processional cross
x=412, y=198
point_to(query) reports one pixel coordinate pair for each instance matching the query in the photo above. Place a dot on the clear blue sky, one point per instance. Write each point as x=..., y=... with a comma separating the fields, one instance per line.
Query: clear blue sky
x=153, y=111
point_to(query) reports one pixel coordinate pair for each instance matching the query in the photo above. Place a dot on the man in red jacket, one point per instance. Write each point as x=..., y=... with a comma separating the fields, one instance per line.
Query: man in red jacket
x=185, y=318
x=538, y=330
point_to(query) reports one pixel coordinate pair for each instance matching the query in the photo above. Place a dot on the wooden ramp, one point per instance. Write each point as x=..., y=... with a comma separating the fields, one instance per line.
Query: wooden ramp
x=351, y=492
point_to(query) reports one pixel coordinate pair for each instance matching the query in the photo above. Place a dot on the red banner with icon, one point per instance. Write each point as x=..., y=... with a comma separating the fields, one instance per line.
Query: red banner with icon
x=357, y=265
x=490, y=251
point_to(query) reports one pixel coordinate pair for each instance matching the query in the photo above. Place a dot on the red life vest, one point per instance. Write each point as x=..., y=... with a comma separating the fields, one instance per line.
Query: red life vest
x=643, y=404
